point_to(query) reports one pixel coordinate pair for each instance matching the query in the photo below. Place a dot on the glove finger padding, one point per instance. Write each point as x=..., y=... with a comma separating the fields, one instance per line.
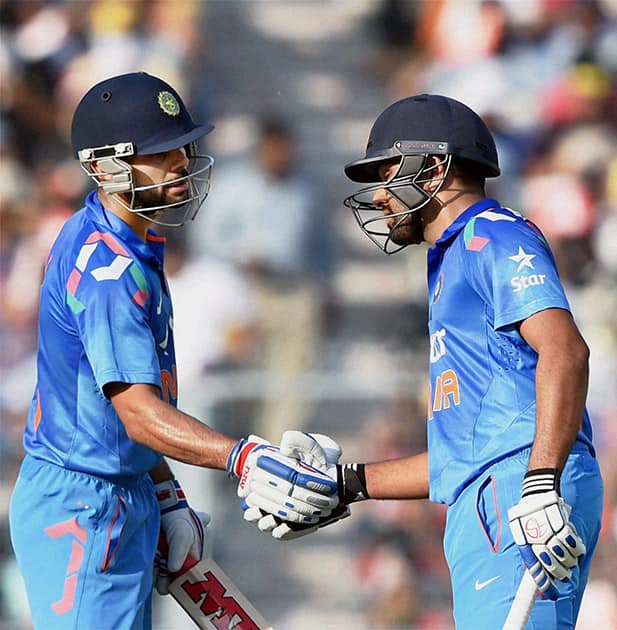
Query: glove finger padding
x=267, y=475
x=322, y=488
x=544, y=582
x=561, y=552
x=292, y=491
x=284, y=530
x=286, y=487
x=314, y=449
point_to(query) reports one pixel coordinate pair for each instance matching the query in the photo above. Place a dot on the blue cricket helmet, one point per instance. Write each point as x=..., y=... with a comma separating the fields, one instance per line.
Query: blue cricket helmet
x=407, y=133
x=426, y=123
x=139, y=114
x=135, y=108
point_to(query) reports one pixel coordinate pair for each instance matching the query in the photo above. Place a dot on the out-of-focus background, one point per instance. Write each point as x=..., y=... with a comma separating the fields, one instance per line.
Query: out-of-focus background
x=286, y=315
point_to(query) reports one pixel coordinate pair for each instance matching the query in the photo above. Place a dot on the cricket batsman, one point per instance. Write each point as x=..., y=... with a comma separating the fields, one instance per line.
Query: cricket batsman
x=509, y=438
x=94, y=490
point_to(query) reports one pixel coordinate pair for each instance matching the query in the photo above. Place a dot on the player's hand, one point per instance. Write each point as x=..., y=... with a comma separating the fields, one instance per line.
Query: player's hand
x=284, y=530
x=282, y=485
x=540, y=522
x=183, y=533
x=319, y=451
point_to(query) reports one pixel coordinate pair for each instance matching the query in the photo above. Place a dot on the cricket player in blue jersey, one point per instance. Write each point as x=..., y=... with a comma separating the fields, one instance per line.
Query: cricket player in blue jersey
x=508, y=434
x=94, y=491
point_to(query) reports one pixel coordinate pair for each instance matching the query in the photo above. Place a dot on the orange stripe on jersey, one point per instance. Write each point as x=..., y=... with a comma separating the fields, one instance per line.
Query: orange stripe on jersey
x=109, y=240
x=64, y=605
x=37, y=413
x=140, y=297
x=155, y=238
x=73, y=282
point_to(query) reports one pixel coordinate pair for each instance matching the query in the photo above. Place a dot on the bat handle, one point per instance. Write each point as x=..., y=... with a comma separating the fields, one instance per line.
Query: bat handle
x=523, y=603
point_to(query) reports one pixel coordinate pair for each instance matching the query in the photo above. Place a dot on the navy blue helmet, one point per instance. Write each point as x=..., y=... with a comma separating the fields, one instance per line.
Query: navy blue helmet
x=426, y=123
x=408, y=132
x=139, y=114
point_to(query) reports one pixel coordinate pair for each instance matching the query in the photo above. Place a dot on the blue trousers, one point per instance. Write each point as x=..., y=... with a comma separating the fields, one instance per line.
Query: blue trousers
x=485, y=564
x=85, y=547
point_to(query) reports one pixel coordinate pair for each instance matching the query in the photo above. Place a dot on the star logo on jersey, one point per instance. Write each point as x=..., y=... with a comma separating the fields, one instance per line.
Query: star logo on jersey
x=523, y=259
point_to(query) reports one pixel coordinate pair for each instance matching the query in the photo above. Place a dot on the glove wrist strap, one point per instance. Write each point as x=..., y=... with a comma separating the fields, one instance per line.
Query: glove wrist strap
x=351, y=481
x=541, y=480
x=240, y=451
x=170, y=496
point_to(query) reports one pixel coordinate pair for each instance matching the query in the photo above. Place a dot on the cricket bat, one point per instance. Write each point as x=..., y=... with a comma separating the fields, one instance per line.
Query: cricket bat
x=523, y=603
x=211, y=599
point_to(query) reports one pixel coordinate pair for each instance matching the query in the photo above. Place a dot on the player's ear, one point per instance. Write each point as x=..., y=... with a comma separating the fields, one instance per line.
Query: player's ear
x=437, y=167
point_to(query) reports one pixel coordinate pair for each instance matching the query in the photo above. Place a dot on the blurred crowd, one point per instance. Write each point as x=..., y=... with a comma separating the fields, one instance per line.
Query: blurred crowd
x=253, y=279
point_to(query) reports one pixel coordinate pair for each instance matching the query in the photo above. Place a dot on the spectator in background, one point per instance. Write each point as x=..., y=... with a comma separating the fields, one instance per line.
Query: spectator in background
x=214, y=328
x=264, y=218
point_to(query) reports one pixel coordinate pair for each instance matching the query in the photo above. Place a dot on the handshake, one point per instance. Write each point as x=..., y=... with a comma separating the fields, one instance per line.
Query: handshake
x=297, y=487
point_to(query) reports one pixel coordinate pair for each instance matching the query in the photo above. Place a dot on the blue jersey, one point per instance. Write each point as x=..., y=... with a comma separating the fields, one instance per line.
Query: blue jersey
x=490, y=270
x=105, y=316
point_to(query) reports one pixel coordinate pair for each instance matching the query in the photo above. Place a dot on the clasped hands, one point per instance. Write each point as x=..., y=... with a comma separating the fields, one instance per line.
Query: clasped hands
x=288, y=490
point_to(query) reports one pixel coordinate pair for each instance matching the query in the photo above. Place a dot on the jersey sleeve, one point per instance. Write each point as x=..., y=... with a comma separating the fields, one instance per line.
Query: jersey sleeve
x=508, y=262
x=108, y=296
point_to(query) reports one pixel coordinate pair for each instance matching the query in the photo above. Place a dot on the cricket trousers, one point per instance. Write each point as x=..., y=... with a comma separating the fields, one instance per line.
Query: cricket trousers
x=484, y=562
x=85, y=547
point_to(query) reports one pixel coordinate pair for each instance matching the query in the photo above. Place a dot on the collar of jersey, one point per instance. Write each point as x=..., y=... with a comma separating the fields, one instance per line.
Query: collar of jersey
x=459, y=223
x=153, y=248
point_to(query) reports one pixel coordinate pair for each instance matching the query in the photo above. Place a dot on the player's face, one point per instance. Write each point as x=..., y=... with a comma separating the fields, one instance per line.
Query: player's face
x=405, y=230
x=161, y=169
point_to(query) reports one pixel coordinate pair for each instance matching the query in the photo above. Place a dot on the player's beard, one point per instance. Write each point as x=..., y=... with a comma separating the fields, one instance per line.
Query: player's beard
x=163, y=195
x=408, y=230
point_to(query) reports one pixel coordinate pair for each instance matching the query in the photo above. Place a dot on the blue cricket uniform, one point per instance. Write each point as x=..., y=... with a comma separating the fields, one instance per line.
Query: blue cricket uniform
x=490, y=270
x=84, y=516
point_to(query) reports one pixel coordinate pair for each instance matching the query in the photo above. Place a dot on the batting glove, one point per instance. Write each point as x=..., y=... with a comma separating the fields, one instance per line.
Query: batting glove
x=183, y=533
x=281, y=485
x=316, y=450
x=540, y=523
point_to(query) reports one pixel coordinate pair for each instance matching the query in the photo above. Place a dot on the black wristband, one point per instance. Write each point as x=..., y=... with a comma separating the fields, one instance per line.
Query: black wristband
x=351, y=482
x=541, y=480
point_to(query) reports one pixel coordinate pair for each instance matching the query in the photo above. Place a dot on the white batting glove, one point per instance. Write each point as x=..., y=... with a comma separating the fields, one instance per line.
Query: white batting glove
x=183, y=533
x=540, y=523
x=316, y=450
x=281, y=485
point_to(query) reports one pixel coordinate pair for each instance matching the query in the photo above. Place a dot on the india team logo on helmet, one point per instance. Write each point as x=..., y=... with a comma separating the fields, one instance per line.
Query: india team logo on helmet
x=168, y=103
